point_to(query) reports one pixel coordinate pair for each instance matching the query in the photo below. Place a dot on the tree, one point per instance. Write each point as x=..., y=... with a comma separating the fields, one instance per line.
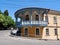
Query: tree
x=6, y=21
x=2, y=18
x=0, y=12
x=6, y=13
x=10, y=21
x=3, y=21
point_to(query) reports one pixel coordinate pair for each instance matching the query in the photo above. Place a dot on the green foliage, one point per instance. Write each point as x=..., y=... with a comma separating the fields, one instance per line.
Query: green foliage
x=6, y=21
x=0, y=12
x=10, y=20
x=2, y=18
x=6, y=13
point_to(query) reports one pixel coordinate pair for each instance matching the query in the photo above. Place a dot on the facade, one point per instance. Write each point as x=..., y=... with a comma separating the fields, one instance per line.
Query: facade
x=38, y=22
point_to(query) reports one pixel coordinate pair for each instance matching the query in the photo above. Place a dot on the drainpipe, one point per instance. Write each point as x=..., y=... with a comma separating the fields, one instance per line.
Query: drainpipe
x=57, y=29
x=57, y=32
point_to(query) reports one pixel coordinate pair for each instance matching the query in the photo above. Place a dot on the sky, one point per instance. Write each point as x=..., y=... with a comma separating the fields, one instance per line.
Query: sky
x=13, y=5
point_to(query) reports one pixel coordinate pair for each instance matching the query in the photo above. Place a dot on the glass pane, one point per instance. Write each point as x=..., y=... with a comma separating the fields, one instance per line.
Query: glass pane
x=26, y=31
x=27, y=17
x=55, y=20
x=18, y=19
x=55, y=31
x=47, y=31
x=37, y=31
x=37, y=17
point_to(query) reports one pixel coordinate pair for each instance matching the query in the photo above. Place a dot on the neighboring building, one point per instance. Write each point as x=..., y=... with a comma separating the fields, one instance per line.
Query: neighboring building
x=38, y=22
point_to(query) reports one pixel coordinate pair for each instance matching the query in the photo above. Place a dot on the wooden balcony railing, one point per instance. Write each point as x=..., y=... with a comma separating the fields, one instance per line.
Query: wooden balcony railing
x=32, y=23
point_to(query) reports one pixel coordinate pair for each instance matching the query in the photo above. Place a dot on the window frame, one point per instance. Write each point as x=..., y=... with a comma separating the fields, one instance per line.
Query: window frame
x=26, y=34
x=47, y=32
x=26, y=17
x=55, y=32
x=37, y=17
x=37, y=33
x=55, y=20
x=18, y=19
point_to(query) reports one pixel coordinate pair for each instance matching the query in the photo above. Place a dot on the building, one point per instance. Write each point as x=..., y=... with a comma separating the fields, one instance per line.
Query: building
x=38, y=22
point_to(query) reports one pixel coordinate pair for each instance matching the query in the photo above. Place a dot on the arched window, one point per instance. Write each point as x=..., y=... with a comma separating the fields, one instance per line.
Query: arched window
x=37, y=17
x=27, y=17
x=26, y=31
x=47, y=31
x=18, y=20
x=46, y=18
x=55, y=30
x=55, y=20
x=37, y=31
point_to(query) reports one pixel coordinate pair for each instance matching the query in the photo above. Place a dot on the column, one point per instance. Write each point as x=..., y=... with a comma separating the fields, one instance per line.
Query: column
x=22, y=22
x=44, y=17
x=31, y=19
x=39, y=17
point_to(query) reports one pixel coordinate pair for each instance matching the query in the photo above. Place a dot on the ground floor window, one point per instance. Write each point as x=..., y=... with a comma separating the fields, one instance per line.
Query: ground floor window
x=26, y=31
x=37, y=31
x=47, y=31
x=55, y=30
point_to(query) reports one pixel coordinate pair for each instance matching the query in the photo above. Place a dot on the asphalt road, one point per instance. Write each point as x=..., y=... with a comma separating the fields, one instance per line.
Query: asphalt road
x=5, y=39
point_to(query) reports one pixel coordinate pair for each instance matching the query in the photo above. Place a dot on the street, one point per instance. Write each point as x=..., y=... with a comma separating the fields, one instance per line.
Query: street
x=5, y=39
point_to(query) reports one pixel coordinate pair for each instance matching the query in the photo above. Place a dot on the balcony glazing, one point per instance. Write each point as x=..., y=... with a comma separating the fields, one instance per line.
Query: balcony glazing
x=32, y=23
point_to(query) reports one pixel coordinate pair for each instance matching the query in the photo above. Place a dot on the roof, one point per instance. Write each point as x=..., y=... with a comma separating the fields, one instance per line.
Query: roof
x=36, y=8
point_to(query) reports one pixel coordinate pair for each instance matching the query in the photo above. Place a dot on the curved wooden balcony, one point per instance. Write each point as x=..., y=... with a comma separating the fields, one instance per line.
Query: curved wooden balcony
x=32, y=23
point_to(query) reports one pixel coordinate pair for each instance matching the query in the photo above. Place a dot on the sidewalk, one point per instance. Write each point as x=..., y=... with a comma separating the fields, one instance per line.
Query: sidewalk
x=30, y=38
x=20, y=37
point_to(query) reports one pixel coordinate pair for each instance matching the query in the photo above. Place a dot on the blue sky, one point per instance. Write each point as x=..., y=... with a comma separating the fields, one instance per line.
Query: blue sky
x=13, y=5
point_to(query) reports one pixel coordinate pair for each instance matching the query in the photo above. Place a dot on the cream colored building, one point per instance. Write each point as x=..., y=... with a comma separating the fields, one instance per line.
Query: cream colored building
x=38, y=22
x=53, y=25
